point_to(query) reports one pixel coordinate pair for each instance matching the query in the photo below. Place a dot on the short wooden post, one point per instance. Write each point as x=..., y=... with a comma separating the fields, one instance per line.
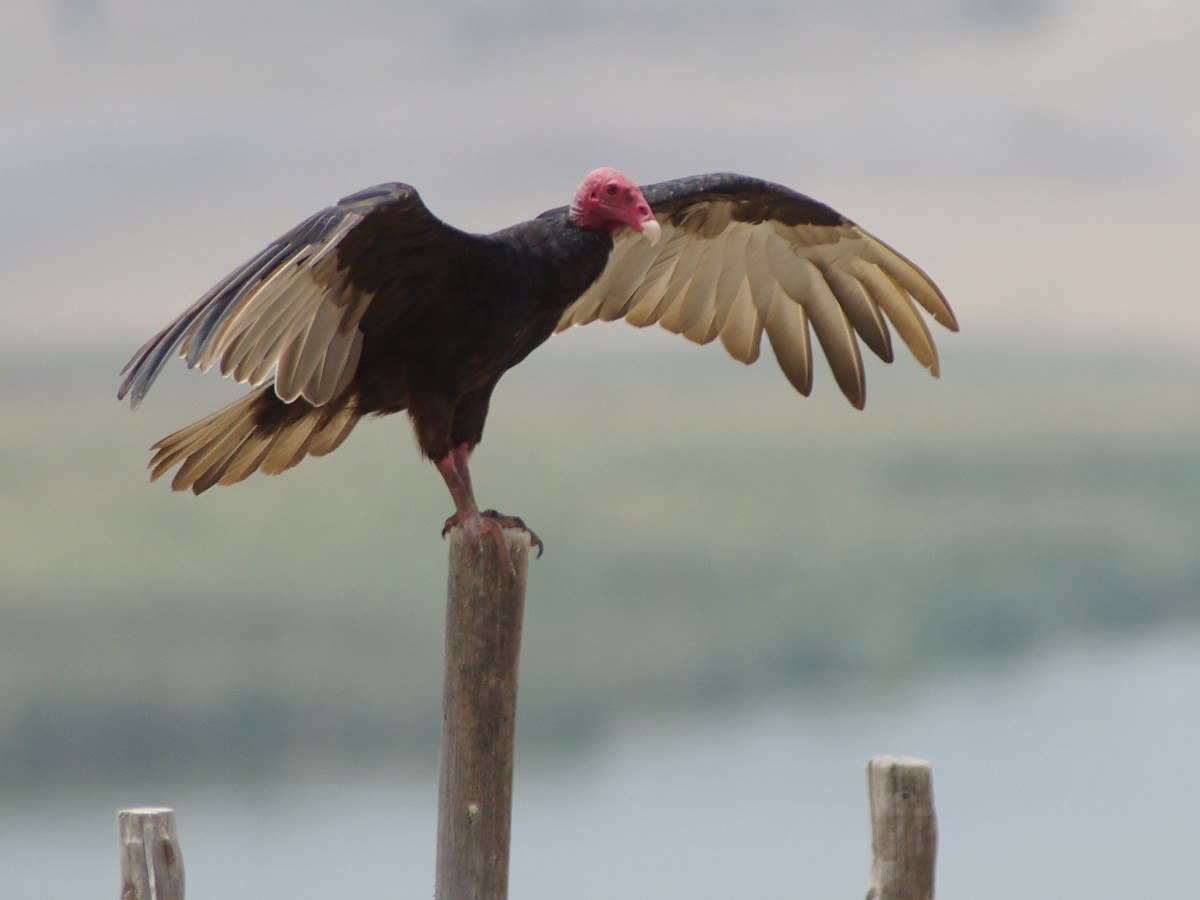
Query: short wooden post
x=903, y=828
x=151, y=862
x=484, y=608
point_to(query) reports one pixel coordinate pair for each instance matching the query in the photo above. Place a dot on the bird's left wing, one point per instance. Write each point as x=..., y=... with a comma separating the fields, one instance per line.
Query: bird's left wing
x=739, y=256
x=292, y=311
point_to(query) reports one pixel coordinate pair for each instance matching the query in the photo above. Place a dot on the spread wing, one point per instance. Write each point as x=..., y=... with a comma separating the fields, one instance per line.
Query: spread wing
x=739, y=256
x=293, y=311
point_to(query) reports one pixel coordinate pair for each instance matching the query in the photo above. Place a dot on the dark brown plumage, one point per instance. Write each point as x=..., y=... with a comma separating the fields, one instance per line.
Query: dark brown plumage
x=376, y=306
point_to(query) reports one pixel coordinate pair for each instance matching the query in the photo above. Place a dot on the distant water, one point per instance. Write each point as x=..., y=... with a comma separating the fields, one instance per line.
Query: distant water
x=1074, y=777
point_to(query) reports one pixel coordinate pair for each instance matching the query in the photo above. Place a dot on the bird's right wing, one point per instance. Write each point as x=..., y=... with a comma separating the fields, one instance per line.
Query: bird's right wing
x=294, y=309
x=739, y=256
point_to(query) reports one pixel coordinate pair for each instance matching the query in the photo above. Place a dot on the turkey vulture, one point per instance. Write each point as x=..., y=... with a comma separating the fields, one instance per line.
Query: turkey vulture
x=376, y=306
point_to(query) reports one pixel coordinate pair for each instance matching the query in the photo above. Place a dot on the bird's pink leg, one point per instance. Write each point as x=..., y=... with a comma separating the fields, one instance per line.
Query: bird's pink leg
x=458, y=459
x=459, y=483
x=457, y=475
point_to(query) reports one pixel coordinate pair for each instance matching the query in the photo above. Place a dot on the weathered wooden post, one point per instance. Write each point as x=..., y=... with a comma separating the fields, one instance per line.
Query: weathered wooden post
x=484, y=607
x=151, y=862
x=903, y=828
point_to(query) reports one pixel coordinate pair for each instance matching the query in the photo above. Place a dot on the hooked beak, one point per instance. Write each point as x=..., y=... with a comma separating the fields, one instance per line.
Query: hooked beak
x=650, y=229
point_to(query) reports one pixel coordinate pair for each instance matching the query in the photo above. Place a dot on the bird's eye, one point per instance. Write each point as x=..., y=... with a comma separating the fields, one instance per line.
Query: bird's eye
x=611, y=190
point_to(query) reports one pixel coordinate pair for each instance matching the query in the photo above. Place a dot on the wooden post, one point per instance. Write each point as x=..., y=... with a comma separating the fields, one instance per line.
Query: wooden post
x=903, y=828
x=484, y=607
x=151, y=862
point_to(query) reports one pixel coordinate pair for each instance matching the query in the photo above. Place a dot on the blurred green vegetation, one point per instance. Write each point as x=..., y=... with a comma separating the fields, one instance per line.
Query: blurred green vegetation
x=711, y=538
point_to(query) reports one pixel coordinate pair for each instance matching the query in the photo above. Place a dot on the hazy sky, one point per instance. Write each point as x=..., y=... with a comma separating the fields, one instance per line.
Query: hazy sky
x=1041, y=159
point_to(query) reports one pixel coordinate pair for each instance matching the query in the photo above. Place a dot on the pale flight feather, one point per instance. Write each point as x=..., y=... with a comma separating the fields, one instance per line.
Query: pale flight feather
x=712, y=276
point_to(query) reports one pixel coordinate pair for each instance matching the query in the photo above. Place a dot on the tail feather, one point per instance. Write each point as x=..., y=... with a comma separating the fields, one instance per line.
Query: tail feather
x=257, y=432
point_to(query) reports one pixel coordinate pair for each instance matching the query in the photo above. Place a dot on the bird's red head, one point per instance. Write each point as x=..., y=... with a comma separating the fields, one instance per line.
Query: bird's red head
x=607, y=199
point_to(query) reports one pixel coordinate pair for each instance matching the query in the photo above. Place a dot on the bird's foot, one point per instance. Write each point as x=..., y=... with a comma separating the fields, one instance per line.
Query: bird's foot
x=515, y=522
x=476, y=523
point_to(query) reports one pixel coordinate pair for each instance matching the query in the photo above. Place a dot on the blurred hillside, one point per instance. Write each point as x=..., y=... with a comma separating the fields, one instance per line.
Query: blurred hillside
x=711, y=537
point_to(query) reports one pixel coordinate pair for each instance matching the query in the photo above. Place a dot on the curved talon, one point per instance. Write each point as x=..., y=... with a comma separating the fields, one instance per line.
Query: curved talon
x=518, y=523
x=501, y=521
